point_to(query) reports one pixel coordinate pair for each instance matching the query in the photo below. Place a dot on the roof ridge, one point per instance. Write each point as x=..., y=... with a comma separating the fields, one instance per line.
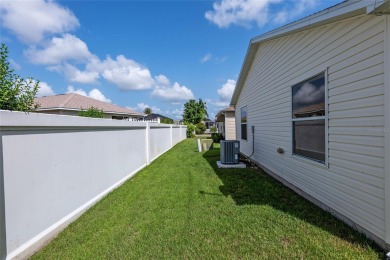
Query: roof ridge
x=71, y=95
x=77, y=101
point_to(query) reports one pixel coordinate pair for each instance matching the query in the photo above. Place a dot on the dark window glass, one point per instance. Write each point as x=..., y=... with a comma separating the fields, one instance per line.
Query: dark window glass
x=309, y=139
x=244, y=132
x=243, y=124
x=308, y=98
x=308, y=114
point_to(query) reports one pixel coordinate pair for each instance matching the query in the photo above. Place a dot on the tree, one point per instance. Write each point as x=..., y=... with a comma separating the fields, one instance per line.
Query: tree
x=194, y=111
x=148, y=111
x=16, y=93
x=213, y=129
x=92, y=112
x=166, y=120
x=200, y=128
x=190, y=130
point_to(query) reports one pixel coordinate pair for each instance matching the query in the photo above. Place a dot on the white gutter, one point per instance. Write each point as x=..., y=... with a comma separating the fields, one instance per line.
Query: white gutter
x=341, y=11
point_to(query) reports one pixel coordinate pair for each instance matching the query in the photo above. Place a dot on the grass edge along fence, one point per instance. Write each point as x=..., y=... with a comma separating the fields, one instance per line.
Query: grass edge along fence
x=55, y=167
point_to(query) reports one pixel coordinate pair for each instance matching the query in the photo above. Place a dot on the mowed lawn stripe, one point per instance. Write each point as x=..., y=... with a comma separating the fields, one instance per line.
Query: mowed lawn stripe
x=182, y=206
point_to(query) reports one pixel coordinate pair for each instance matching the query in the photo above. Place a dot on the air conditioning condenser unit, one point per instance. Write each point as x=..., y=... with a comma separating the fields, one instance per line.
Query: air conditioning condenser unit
x=230, y=151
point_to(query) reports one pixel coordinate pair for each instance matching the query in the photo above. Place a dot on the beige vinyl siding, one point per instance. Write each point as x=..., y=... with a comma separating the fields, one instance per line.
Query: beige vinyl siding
x=353, y=52
x=230, y=126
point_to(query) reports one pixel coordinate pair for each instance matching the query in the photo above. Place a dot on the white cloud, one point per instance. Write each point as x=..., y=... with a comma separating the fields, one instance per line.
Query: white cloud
x=174, y=93
x=205, y=58
x=94, y=93
x=177, y=113
x=227, y=89
x=220, y=104
x=309, y=94
x=79, y=91
x=246, y=12
x=287, y=14
x=141, y=107
x=59, y=49
x=163, y=80
x=221, y=59
x=31, y=20
x=125, y=73
x=14, y=64
x=122, y=72
x=44, y=90
x=73, y=74
x=209, y=57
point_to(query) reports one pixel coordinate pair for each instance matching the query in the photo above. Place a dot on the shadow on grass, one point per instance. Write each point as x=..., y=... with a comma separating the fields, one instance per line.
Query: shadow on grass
x=255, y=187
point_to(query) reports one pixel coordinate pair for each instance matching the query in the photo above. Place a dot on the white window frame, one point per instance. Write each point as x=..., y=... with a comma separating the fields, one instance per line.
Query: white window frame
x=325, y=118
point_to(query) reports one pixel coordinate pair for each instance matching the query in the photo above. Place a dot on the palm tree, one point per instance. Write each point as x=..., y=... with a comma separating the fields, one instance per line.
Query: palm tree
x=148, y=111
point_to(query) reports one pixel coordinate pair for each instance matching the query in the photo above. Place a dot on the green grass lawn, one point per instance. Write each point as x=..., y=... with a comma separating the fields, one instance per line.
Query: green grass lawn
x=182, y=206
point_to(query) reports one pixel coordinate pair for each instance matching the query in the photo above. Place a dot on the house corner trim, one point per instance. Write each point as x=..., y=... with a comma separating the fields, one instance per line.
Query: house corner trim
x=387, y=126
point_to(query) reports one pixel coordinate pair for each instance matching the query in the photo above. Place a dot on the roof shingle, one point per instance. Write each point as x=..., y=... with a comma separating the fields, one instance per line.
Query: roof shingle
x=78, y=102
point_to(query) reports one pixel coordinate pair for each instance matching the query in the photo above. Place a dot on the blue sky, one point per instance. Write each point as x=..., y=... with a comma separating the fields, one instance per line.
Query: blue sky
x=141, y=53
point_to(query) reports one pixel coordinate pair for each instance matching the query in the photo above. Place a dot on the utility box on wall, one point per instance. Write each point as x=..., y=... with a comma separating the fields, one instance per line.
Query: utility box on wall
x=230, y=151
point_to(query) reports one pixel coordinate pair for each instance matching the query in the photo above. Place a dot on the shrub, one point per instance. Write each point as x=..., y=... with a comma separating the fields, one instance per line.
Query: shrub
x=16, y=93
x=92, y=112
x=200, y=128
x=217, y=137
x=213, y=129
x=166, y=120
x=190, y=130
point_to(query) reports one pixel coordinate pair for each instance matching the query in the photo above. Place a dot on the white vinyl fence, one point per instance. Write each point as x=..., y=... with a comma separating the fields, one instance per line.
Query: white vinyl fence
x=53, y=168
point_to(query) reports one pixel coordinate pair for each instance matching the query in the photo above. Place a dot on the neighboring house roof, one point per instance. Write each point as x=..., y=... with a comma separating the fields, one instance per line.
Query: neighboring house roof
x=335, y=13
x=219, y=116
x=155, y=116
x=312, y=110
x=78, y=102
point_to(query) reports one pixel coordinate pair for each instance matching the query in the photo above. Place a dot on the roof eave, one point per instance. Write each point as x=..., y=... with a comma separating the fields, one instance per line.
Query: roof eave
x=342, y=11
x=339, y=12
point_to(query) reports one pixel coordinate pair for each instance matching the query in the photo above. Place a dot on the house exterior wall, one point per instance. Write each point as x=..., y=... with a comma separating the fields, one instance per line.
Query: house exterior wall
x=59, y=112
x=221, y=128
x=352, y=53
x=230, y=126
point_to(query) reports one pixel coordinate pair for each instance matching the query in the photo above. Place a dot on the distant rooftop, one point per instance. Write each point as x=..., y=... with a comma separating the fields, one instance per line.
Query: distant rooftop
x=78, y=102
x=220, y=115
x=155, y=116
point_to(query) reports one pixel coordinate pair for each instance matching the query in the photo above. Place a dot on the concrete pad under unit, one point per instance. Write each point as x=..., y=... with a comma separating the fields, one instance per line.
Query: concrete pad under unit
x=239, y=165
